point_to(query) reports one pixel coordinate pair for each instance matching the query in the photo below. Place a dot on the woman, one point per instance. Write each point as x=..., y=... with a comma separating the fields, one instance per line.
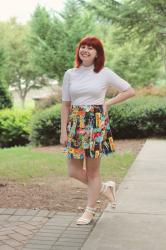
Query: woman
x=85, y=129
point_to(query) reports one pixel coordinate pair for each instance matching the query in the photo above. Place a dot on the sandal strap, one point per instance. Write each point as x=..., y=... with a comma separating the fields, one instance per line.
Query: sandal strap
x=103, y=188
x=83, y=220
x=90, y=209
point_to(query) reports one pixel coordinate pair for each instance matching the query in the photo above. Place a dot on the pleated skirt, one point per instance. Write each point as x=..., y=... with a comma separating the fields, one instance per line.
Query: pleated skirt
x=89, y=133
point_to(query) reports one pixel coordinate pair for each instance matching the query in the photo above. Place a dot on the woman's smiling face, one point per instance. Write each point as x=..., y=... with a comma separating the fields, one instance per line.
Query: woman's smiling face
x=87, y=54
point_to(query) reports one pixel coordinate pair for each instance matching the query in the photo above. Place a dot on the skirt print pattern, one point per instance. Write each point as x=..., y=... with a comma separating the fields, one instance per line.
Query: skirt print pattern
x=89, y=132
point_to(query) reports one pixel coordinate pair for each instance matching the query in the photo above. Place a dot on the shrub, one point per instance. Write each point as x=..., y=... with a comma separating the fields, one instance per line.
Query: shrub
x=134, y=118
x=14, y=127
x=139, y=117
x=45, y=127
x=5, y=98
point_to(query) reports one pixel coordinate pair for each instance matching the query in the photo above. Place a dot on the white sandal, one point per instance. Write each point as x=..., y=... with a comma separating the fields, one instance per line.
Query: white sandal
x=112, y=186
x=84, y=221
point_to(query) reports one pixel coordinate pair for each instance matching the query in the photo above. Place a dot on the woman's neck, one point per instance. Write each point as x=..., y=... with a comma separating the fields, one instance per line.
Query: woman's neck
x=87, y=65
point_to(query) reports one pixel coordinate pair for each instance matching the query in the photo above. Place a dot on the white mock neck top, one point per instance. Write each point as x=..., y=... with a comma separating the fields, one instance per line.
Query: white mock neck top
x=83, y=86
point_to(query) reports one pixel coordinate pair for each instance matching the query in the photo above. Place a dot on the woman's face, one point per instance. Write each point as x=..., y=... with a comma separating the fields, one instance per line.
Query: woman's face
x=87, y=54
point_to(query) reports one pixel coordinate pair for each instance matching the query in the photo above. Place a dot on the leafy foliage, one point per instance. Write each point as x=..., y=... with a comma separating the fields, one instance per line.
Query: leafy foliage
x=140, y=117
x=5, y=98
x=18, y=72
x=137, y=19
x=45, y=127
x=14, y=127
x=131, y=119
x=54, y=38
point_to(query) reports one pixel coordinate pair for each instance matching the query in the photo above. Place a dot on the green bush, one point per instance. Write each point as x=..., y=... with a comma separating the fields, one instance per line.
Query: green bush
x=5, y=98
x=45, y=127
x=134, y=118
x=14, y=127
x=139, y=117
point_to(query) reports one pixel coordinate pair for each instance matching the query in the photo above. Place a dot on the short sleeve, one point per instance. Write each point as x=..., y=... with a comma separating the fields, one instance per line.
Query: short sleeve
x=65, y=87
x=116, y=81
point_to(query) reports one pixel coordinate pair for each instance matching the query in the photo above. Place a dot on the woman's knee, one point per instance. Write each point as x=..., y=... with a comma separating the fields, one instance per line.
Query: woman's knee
x=71, y=173
x=93, y=174
x=93, y=170
x=73, y=168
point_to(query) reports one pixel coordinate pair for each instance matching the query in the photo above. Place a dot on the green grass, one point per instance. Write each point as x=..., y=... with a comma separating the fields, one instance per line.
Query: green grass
x=24, y=164
x=116, y=165
x=19, y=163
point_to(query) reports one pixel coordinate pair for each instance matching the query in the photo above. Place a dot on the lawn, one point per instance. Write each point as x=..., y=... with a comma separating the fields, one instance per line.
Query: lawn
x=25, y=163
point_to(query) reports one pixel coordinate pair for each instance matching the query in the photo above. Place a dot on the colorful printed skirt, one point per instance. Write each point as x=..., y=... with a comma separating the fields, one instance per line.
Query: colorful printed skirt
x=89, y=132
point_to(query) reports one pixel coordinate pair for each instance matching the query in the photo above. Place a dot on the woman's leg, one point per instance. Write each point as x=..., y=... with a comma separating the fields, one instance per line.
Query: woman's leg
x=75, y=170
x=89, y=176
x=94, y=180
x=94, y=186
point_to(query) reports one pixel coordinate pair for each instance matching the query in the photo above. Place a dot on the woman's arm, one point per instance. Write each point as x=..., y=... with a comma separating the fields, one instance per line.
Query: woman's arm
x=65, y=109
x=119, y=98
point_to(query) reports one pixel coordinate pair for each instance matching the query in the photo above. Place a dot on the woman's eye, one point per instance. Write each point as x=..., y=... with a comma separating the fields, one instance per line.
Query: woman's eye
x=83, y=47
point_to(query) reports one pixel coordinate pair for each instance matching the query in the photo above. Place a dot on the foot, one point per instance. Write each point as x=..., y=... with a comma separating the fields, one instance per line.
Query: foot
x=108, y=189
x=87, y=216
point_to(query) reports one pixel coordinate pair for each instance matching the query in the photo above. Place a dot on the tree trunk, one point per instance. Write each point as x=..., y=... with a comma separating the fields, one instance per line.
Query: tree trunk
x=163, y=54
x=22, y=101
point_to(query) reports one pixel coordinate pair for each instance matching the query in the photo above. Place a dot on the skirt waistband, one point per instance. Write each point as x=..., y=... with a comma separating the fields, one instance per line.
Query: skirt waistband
x=87, y=108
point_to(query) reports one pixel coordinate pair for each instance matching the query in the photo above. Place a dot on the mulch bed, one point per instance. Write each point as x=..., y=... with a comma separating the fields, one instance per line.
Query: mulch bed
x=56, y=193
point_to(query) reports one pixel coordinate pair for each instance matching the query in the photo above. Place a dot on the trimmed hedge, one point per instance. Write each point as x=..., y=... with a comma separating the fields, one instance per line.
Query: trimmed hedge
x=134, y=118
x=139, y=117
x=45, y=127
x=14, y=127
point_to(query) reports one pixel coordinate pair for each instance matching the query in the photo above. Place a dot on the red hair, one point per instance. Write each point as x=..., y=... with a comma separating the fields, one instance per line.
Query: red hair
x=97, y=45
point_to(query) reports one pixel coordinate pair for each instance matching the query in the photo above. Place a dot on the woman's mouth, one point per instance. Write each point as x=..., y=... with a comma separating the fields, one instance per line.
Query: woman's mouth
x=85, y=55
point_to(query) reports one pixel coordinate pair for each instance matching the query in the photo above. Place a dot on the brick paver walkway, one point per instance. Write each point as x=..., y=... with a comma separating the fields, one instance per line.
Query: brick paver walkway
x=30, y=229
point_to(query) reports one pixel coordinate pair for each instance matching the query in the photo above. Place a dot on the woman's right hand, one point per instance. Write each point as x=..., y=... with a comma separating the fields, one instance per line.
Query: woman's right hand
x=63, y=138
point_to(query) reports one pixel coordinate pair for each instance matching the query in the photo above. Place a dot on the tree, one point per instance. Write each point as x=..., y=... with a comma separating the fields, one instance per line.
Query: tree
x=2, y=63
x=54, y=37
x=5, y=98
x=19, y=71
x=46, y=34
x=129, y=59
x=141, y=19
x=78, y=23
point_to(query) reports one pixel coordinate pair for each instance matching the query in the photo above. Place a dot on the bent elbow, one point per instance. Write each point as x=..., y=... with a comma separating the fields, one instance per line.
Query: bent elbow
x=132, y=92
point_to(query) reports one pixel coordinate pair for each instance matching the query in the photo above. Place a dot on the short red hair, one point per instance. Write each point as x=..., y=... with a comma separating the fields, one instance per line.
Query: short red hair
x=97, y=45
